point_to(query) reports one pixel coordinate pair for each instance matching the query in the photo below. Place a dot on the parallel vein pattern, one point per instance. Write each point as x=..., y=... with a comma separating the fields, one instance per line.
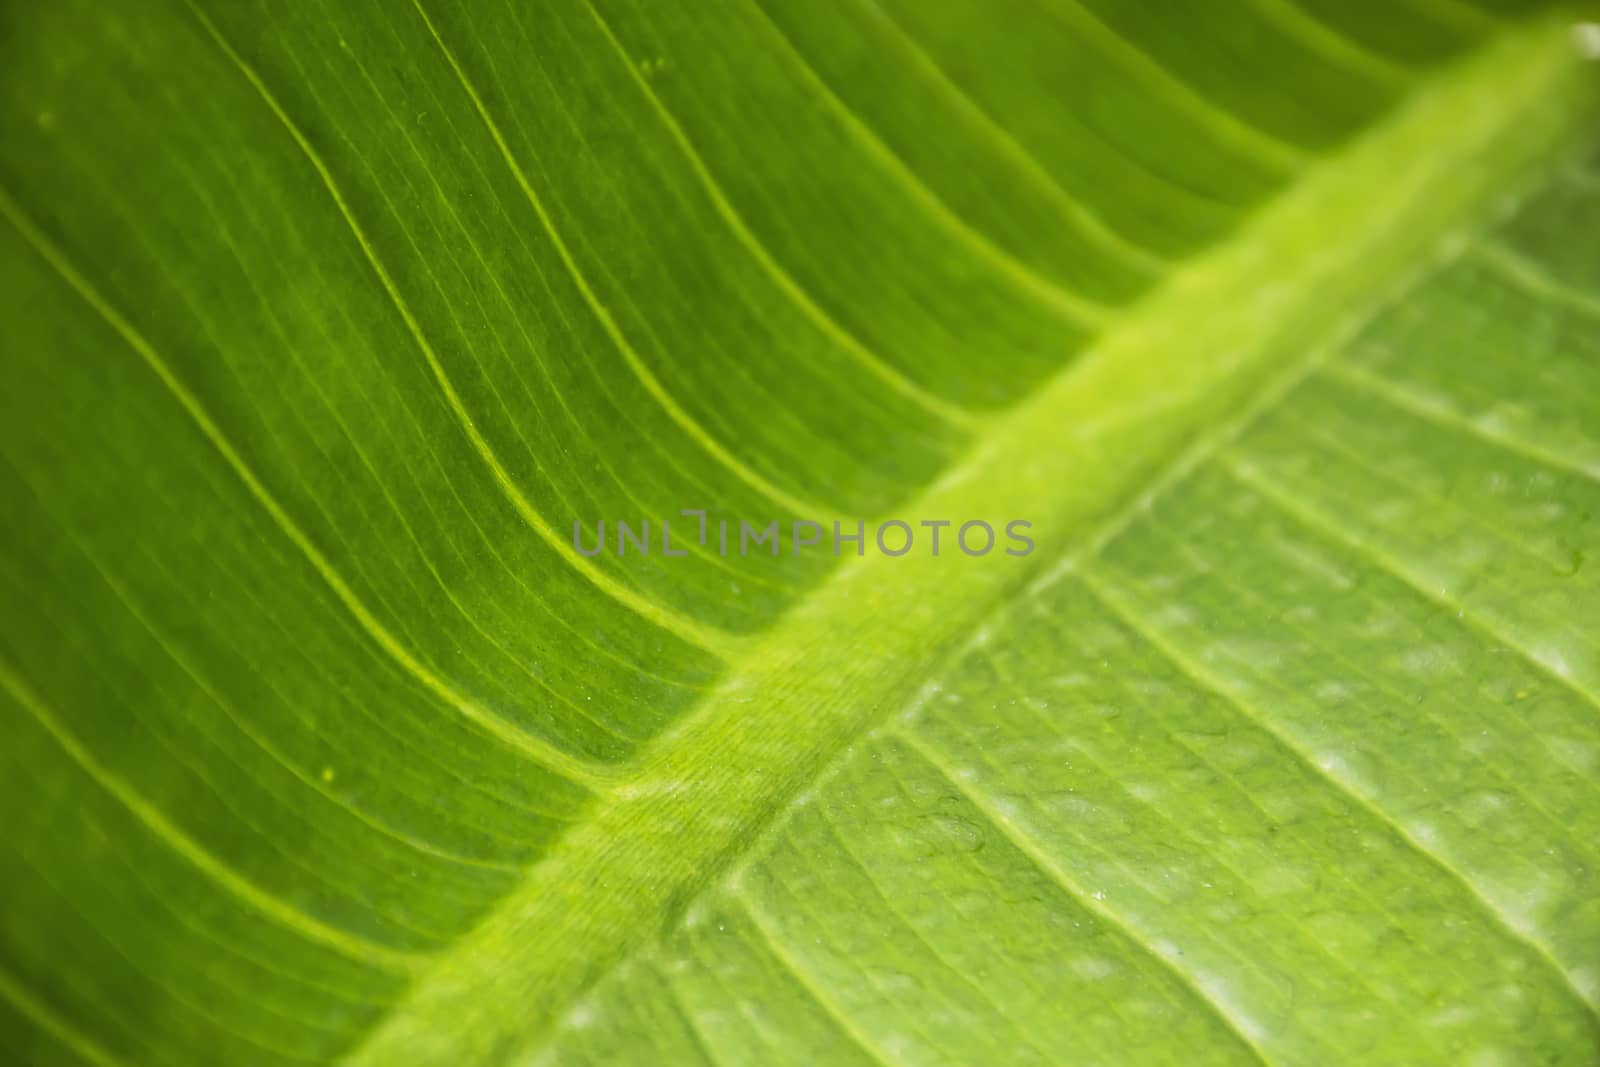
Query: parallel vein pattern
x=327, y=322
x=1307, y=815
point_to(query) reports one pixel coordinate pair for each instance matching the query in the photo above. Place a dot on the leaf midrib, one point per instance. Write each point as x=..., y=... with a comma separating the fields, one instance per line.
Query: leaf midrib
x=1156, y=392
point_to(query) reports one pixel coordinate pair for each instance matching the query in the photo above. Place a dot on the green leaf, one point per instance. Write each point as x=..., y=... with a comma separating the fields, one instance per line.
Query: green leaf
x=324, y=741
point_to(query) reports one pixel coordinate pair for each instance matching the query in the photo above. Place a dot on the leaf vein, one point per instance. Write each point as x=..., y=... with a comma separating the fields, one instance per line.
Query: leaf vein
x=540, y=751
x=1115, y=603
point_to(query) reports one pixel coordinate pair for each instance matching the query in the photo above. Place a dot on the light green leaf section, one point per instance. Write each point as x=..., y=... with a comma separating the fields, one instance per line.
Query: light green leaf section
x=322, y=742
